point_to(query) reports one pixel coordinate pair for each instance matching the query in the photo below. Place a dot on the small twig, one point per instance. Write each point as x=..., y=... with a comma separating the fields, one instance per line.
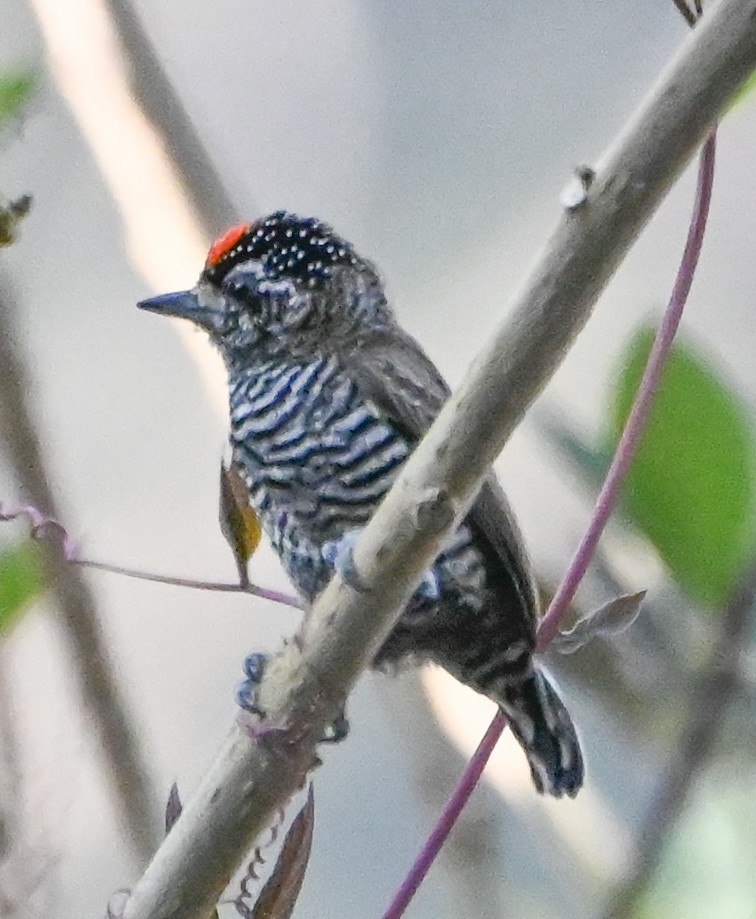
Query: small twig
x=638, y=417
x=708, y=702
x=43, y=525
x=454, y=807
x=265, y=593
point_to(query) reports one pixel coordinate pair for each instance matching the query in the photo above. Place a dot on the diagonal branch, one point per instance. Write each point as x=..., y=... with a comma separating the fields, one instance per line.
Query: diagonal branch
x=305, y=686
x=157, y=99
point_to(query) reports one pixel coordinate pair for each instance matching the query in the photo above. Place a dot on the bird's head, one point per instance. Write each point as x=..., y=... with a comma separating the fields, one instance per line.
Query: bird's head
x=283, y=286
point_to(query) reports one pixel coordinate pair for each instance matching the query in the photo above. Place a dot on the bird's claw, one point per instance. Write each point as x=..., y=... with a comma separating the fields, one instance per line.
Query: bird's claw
x=337, y=730
x=340, y=554
x=247, y=698
x=246, y=692
x=430, y=586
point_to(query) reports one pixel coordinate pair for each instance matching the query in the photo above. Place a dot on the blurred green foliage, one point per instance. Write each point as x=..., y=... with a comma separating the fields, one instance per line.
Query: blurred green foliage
x=16, y=89
x=746, y=92
x=691, y=485
x=707, y=867
x=22, y=579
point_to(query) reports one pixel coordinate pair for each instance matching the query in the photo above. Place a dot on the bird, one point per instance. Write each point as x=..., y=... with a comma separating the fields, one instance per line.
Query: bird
x=328, y=396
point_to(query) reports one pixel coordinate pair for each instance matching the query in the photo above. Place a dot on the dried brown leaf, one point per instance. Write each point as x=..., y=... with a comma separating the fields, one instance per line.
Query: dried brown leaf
x=11, y=214
x=279, y=895
x=172, y=808
x=611, y=619
x=238, y=521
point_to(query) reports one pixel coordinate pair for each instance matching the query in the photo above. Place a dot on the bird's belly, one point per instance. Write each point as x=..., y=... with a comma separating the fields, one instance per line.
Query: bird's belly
x=307, y=509
x=318, y=461
x=455, y=583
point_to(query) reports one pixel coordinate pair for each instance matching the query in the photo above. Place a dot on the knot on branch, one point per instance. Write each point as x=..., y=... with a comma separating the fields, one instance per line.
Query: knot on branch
x=433, y=511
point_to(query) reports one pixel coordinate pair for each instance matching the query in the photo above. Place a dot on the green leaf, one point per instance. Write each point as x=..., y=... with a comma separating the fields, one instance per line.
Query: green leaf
x=691, y=486
x=706, y=867
x=16, y=89
x=22, y=579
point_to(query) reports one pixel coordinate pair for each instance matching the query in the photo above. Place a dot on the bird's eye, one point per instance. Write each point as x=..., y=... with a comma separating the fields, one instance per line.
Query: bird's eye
x=265, y=301
x=241, y=288
x=280, y=289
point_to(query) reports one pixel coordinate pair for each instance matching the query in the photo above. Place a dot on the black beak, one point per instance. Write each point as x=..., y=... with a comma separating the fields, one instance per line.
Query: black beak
x=184, y=304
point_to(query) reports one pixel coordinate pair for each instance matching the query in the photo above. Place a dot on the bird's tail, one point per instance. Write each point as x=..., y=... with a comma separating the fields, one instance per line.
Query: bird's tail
x=545, y=731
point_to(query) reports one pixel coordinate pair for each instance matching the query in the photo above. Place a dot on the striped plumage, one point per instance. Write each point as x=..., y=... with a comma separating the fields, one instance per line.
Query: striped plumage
x=306, y=424
x=328, y=396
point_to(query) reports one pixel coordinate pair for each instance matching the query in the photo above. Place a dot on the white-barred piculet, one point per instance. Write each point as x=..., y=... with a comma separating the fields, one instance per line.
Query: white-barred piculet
x=328, y=396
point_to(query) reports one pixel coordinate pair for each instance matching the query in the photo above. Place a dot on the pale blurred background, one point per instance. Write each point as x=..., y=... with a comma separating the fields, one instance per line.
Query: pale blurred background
x=437, y=137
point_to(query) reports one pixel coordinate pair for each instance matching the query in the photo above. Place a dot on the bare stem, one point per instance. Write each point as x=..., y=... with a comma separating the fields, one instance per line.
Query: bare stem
x=44, y=525
x=265, y=593
x=454, y=806
x=636, y=422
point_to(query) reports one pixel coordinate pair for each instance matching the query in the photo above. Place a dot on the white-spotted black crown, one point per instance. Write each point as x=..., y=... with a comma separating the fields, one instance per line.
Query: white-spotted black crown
x=288, y=246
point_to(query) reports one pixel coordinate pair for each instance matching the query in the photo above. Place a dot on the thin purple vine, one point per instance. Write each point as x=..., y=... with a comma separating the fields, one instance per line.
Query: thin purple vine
x=265, y=593
x=605, y=504
x=42, y=526
x=636, y=422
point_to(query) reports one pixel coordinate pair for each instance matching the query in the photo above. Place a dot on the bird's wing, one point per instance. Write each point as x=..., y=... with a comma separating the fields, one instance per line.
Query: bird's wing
x=393, y=372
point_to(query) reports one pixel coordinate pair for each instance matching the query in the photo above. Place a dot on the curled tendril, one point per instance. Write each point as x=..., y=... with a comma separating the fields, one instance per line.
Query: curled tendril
x=42, y=527
x=250, y=874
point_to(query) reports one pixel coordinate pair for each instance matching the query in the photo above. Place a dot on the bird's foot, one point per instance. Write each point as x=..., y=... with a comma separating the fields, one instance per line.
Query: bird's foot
x=247, y=698
x=336, y=731
x=247, y=692
x=340, y=554
x=430, y=586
